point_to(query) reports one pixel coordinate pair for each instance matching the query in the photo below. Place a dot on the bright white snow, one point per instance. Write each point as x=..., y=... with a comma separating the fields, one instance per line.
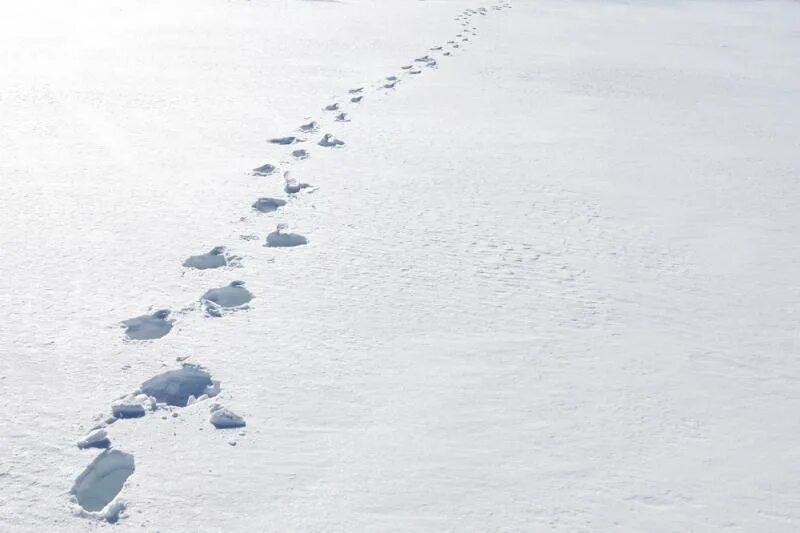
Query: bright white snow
x=552, y=287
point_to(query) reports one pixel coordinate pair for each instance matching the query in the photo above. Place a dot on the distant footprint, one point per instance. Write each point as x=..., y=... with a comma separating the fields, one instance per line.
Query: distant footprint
x=342, y=117
x=390, y=85
x=435, y=48
x=309, y=128
x=268, y=205
x=391, y=78
x=278, y=239
x=292, y=186
x=148, y=327
x=332, y=107
x=229, y=297
x=284, y=140
x=215, y=258
x=356, y=99
x=423, y=59
x=329, y=141
x=406, y=67
x=264, y=170
x=300, y=154
x=356, y=91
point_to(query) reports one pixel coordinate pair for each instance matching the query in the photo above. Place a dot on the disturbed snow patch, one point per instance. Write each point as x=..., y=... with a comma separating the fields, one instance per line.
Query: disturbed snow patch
x=278, y=239
x=101, y=481
x=148, y=327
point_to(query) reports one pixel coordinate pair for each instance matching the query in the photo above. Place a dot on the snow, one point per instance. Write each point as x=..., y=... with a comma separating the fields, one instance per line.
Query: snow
x=552, y=283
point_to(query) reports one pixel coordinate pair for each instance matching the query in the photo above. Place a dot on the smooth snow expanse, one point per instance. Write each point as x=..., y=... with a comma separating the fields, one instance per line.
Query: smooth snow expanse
x=550, y=282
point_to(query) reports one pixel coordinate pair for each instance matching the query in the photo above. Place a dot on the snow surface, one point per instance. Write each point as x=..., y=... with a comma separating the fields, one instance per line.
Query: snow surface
x=552, y=283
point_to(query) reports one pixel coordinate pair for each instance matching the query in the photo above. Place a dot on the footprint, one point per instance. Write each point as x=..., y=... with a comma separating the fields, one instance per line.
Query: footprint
x=406, y=67
x=342, y=117
x=100, y=483
x=332, y=107
x=292, y=186
x=390, y=85
x=215, y=258
x=329, y=141
x=416, y=71
x=423, y=59
x=309, y=128
x=356, y=99
x=181, y=387
x=451, y=42
x=268, y=205
x=223, y=418
x=391, y=78
x=435, y=48
x=301, y=154
x=278, y=239
x=456, y=46
x=284, y=140
x=228, y=297
x=356, y=91
x=264, y=170
x=432, y=64
x=148, y=327
x=95, y=439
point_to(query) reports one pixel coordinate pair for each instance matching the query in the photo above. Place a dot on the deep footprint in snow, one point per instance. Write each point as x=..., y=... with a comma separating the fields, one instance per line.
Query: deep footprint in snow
x=97, y=438
x=406, y=67
x=300, y=154
x=391, y=78
x=357, y=99
x=101, y=482
x=292, y=186
x=181, y=387
x=329, y=141
x=264, y=170
x=229, y=297
x=279, y=239
x=390, y=85
x=356, y=91
x=215, y=258
x=342, y=117
x=268, y=205
x=309, y=127
x=223, y=418
x=284, y=140
x=332, y=107
x=416, y=71
x=148, y=327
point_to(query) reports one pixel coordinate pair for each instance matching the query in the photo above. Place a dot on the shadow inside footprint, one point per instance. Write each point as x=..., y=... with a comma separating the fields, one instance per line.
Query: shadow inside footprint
x=177, y=387
x=264, y=170
x=215, y=258
x=329, y=141
x=102, y=480
x=300, y=154
x=283, y=140
x=278, y=239
x=230, y=296
x=268, y=205
x=148, y=327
